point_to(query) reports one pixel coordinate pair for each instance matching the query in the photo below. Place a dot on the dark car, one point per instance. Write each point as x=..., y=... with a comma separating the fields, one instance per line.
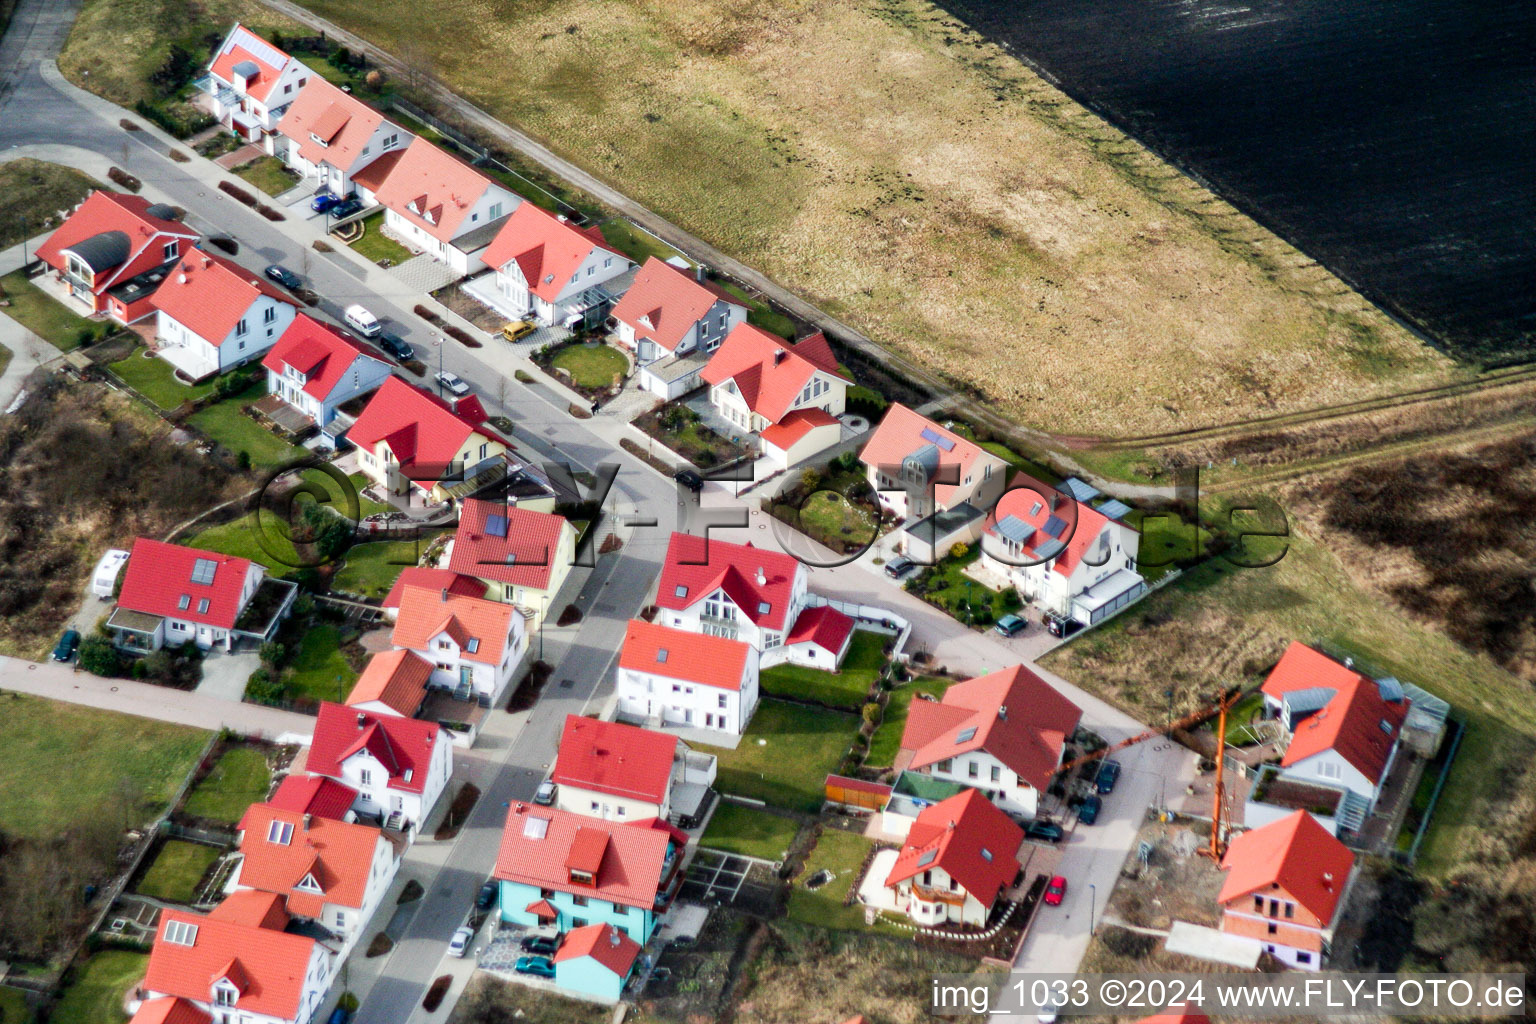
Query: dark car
x=396, y=346
x=899, y=566
x=283, y=276
x=487, y=897
x=1109, y=774
x=340, y=1015
x=323, y=201
x=347, y=207
x=541, y=945
x=689, y=479
x=1009, y=625
x=1088, y=813
x=1046, y=831
x=1058, y=626
x=535, y=965
x=68, y=644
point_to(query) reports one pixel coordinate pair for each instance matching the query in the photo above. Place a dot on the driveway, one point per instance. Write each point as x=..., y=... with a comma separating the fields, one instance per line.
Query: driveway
x=225, y=675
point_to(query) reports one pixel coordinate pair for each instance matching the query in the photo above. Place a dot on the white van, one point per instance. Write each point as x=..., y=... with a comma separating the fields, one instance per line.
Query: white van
x=104, y=579
x=362, y=321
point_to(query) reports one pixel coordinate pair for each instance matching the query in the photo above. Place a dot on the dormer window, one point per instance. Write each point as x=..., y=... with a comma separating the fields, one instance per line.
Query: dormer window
x=308, y=884
x=225, y=994
x=472, y=645
x=582, y=877
x=171, y=250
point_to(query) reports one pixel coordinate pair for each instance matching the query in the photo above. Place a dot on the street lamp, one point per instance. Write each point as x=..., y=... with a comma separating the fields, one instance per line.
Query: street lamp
x=543, y=615
x=1093, y=897
x=437, y=342
x=24, y=229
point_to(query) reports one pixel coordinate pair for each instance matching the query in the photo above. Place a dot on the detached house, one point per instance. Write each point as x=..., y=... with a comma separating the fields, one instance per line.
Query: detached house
x=439, y=204
x=1071, y=560
x=522, y=556
x=114, y=251
x=741, y=592
x=759, y=381
x=328, y=872
x=214, y=315
x=672, y=321
x=473, y=645
x=679, y=678
x=251, y=83
x=407, y=437
x=623, y=773
x=392, y=683
x=432, y=579
x=1286, y=887
x=569, y=871
x=329, y=137
x=596, y=961
x=317, y=368
x=550, y=271
x=173, y=594
x=398, y=766
x=941, y=483
x=958, y=861
x=1003, y=733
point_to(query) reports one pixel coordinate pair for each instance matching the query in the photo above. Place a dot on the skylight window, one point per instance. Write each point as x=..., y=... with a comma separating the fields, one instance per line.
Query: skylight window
x=535, y=828
x=496, y=525
x=280, y=832
x=927, y=857
x=966, y=735
x=473, y=645
x=986, y=855
x=181, y=933
x=661, y=656
x=511, y=557
x=680, y=591
x=184, y=602
x=1386, y=727
x=203, y=570
x=202, y=606
x=1034, y=509
x=763, y=607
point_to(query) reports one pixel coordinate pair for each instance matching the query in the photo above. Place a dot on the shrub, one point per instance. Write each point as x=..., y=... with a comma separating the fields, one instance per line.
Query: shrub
x=99, y=657
x=86, y=336
x=865, y=401
x=179, y=157
x=235, y=191
x=428, y=315
x=228, y=246
x=435, y=994
x=269, y=213
x=123, y=178
x=581, y=412
x=462, y=336
x=871, y=714
x=374, y=80
x=263, y=688
x=959, y=549
x=273, y=653
x=243, y=460
x=175, y=71
x=380, y=945
x=523, y=376
x=321, y=246
x=129, y=126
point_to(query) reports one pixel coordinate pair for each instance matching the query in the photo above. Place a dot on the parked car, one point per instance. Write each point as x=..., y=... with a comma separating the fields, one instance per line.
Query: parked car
x=453, y=382
x=517, y=330
x=1047, y=1014
x=1045, y=831
x=323, y=201
x=539, y=966
x=1055, y=891
x=68, y=644
x=1109, y=774
x=459, y=944
x=362, y=321
x=486, y=899
x=1088, y=812
x=347, y=207
x=396, y=346
x=1009, y=625
x=545, y=794
x=899, y=566
x=540, y=945
x=1057, y=626
x=689, y=479
x=340, y=1015
x=283, y=276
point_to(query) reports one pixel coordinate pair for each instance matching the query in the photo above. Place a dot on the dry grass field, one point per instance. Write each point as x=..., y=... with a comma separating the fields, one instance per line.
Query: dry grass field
x=882, y=160
x=33, y=192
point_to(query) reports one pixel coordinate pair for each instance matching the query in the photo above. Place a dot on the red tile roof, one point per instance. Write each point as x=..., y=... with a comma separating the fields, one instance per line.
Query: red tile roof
x=345, y=123
x=422, y=430
x=969, y=838
x=769, y=372
x=436, y=191
x=678, y=835
x=244, y=45
x=795, y=425
x=311, y=794
x=396, y=679
x=158, y=580
x=376, y=173
x=542, y=908
x=1035, y=504
x=604, y=943
x=433, y=579
x=900, y=434
x=112, y=211
x=610, y=757
x=337, y=856
x=547, y=249
x=325, y=355
x=522, y=554
x=401, y=745
x=696, y=567
x=169, y=1010
x=482, y=629
x=208, y=294
x=631, y=868
x=1357, y=721
x=249, y=907
x=664, y=303
x=824, y=626
x=268, y=966
x=1295, y=853
x=679, y=654
x=1176, y=1014
x=1028, y=739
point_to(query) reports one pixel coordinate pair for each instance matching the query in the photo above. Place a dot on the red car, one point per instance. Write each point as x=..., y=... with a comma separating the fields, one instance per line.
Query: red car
x=1056, y=891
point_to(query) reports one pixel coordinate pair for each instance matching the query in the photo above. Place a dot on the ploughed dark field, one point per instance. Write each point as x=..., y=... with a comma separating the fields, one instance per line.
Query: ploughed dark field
x=1394, y=142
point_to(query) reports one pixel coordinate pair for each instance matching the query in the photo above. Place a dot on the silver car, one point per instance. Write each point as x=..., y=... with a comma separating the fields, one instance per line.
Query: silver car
x=459, y=944
x=453, y=382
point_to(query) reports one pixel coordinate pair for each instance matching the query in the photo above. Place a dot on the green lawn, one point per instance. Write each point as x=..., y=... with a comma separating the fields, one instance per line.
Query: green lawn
x=841, y=853
x=947, y=586
x=887, y=738
x=227, y=423
x=846, y=688
x=240, y=538
x=156, y=380
x=371, y=569
x=748, y=831
x=13, y=1007
x=759, y=314
x=93, y=758
x=375, y=245
x=634, y=243
x=239, y=778
x=591, y=365
x=1238, y=718
x=1165, y=539
x=268, y=174
x=367, y=506
x=835, y=520
x=786, y=754
x=96, y=988
x=177, y=869
x=320, y=670
x=42, y=314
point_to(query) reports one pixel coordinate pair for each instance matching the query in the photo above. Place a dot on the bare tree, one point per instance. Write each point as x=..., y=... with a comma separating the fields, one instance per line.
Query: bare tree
x=416, y=60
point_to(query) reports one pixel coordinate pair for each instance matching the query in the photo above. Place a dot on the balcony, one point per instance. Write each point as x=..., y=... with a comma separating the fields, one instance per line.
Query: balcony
x=716, y=626
x=928, y=894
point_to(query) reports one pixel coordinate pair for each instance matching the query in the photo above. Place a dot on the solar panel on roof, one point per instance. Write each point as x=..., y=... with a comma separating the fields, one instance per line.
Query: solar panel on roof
x=496, y=525
x=203, y=570
x=927, y=857
x=1050, y=549
x=1014, y=529
x=929, y=434
x=1114, y=509
x=1055, y=526
x=1078, y=489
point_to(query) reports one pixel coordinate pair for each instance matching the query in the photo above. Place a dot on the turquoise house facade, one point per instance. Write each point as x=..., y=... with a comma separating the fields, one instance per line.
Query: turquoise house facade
x=516, y=897
x=586, y=976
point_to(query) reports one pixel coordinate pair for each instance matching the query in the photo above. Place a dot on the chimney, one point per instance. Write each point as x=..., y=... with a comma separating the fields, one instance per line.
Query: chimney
x=951, y=825
x=521, y=807
x=762, y=577
x=1328, y=880
x=1002, y=712
x=778, y=356
x=445, y=595
x=1055, y=500
x=207, y=262
x=306, y=823
x=362, y=719
x=700, y=274
x=613, y=936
